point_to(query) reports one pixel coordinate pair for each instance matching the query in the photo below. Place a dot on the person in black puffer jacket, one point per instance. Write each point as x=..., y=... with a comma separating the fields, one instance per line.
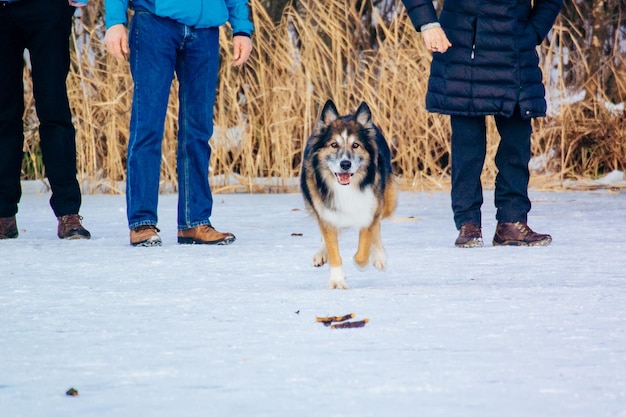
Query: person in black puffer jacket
x=485, y=63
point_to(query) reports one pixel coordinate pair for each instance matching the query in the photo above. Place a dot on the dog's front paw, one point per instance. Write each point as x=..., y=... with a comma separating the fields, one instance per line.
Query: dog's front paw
x=337, y=285
x=320, y=258
x=337, y=279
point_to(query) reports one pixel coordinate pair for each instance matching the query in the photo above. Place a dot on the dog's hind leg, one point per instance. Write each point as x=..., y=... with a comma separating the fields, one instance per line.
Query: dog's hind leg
x=331, y=242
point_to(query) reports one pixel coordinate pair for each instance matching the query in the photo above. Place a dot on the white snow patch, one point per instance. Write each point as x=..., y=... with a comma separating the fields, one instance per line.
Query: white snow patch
x=190, y=330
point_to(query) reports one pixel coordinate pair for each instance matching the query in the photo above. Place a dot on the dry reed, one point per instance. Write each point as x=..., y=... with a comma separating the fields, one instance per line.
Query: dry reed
x=265, y=111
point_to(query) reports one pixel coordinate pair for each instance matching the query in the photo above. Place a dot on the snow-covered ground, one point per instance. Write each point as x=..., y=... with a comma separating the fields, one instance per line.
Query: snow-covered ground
x=231, y=331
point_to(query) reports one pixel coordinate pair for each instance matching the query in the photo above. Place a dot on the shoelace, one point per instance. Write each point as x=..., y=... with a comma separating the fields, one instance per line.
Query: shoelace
x=471, y=229
x=146, y=227
x=72, y=220
x=523, y=228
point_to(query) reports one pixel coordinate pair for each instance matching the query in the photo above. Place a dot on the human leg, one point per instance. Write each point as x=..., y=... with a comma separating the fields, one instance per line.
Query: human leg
x=48, y=25
x=469, y=146
x=512, y=157
x=196, y=69
x=511, y=195
x=153, y=50
x=11, y=111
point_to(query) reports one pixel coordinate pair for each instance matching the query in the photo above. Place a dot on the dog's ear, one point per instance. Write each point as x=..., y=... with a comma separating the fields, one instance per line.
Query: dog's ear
x=329, y=113
x=363, y=115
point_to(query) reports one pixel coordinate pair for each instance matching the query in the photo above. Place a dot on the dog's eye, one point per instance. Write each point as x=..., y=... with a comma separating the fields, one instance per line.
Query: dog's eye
x=334, y=145
x=355, y=145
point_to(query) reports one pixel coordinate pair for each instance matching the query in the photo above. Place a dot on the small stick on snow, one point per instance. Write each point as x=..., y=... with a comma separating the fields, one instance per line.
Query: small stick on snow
x=331, y=319
x=350, y=324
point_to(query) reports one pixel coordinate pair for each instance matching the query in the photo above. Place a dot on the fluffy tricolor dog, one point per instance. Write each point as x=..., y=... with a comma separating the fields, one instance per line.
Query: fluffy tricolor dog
x=346, y=181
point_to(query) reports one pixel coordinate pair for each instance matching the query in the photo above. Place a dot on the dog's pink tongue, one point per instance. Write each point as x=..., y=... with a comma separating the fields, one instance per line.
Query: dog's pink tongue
x=344, y=179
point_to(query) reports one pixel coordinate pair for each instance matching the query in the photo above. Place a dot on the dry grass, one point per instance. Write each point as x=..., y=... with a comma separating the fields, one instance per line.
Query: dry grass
x=265, y=111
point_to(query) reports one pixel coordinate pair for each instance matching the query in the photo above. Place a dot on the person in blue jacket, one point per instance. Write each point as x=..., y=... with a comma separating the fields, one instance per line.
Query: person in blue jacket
x=43, y=28
x=485, y=63
x=167, y=37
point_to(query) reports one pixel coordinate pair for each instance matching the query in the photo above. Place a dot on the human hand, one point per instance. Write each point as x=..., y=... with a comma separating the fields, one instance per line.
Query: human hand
x=242, y=46
x=436, y=40
x=116, y=40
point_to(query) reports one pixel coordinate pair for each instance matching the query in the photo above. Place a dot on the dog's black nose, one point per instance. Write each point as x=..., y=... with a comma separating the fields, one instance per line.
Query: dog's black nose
x=345, y=165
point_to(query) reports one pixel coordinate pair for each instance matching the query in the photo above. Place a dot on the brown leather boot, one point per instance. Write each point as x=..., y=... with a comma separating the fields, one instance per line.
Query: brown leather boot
x=205, y=235
x=145, y=235
x=70, y=227
x=519, y=234
x=470, y=236
x=8, y=228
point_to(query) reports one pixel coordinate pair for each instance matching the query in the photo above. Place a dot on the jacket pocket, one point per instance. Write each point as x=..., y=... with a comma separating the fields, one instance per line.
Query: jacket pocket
x=459, y=28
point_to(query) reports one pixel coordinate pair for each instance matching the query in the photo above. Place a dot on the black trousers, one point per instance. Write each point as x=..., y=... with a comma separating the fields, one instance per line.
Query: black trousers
x=43, y=27
x=469, y=146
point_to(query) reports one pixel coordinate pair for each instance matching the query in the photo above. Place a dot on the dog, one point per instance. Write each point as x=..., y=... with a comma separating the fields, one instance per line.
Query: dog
x=346, y=181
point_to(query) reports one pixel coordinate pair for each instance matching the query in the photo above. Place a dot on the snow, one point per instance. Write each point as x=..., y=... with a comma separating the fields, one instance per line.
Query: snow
x=613, y=180
x=230, y=330
x=613, y=177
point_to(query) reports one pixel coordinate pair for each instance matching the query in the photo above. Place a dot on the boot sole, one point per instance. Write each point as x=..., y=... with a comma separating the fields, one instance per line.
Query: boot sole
x=471, y=244
x=191, y=241
x=76, y=236
x=153, y=241
x=544, y=242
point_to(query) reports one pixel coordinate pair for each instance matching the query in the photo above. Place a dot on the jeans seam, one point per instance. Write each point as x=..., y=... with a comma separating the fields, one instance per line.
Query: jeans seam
x=184, y=129
x=194, y=224
x=142, y=223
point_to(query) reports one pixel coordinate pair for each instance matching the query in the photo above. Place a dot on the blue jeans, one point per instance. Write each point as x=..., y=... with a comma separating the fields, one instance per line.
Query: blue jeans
x=469, y=146
x=159, y=48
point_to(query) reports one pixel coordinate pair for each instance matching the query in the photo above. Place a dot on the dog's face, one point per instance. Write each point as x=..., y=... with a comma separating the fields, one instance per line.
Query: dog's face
x=346, y=144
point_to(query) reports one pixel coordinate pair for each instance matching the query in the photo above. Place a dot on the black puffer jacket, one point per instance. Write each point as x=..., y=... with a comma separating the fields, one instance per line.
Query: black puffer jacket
x=492, y=65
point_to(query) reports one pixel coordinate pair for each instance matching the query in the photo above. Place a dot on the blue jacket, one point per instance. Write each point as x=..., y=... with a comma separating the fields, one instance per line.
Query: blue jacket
x=196, y=13
x=492, y=65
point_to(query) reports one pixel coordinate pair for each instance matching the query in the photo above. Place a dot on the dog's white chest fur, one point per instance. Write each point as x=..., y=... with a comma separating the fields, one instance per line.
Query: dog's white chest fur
x=353, y=207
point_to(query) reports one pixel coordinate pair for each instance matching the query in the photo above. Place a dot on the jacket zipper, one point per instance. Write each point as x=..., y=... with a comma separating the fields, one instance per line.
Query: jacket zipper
x=473, y=53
